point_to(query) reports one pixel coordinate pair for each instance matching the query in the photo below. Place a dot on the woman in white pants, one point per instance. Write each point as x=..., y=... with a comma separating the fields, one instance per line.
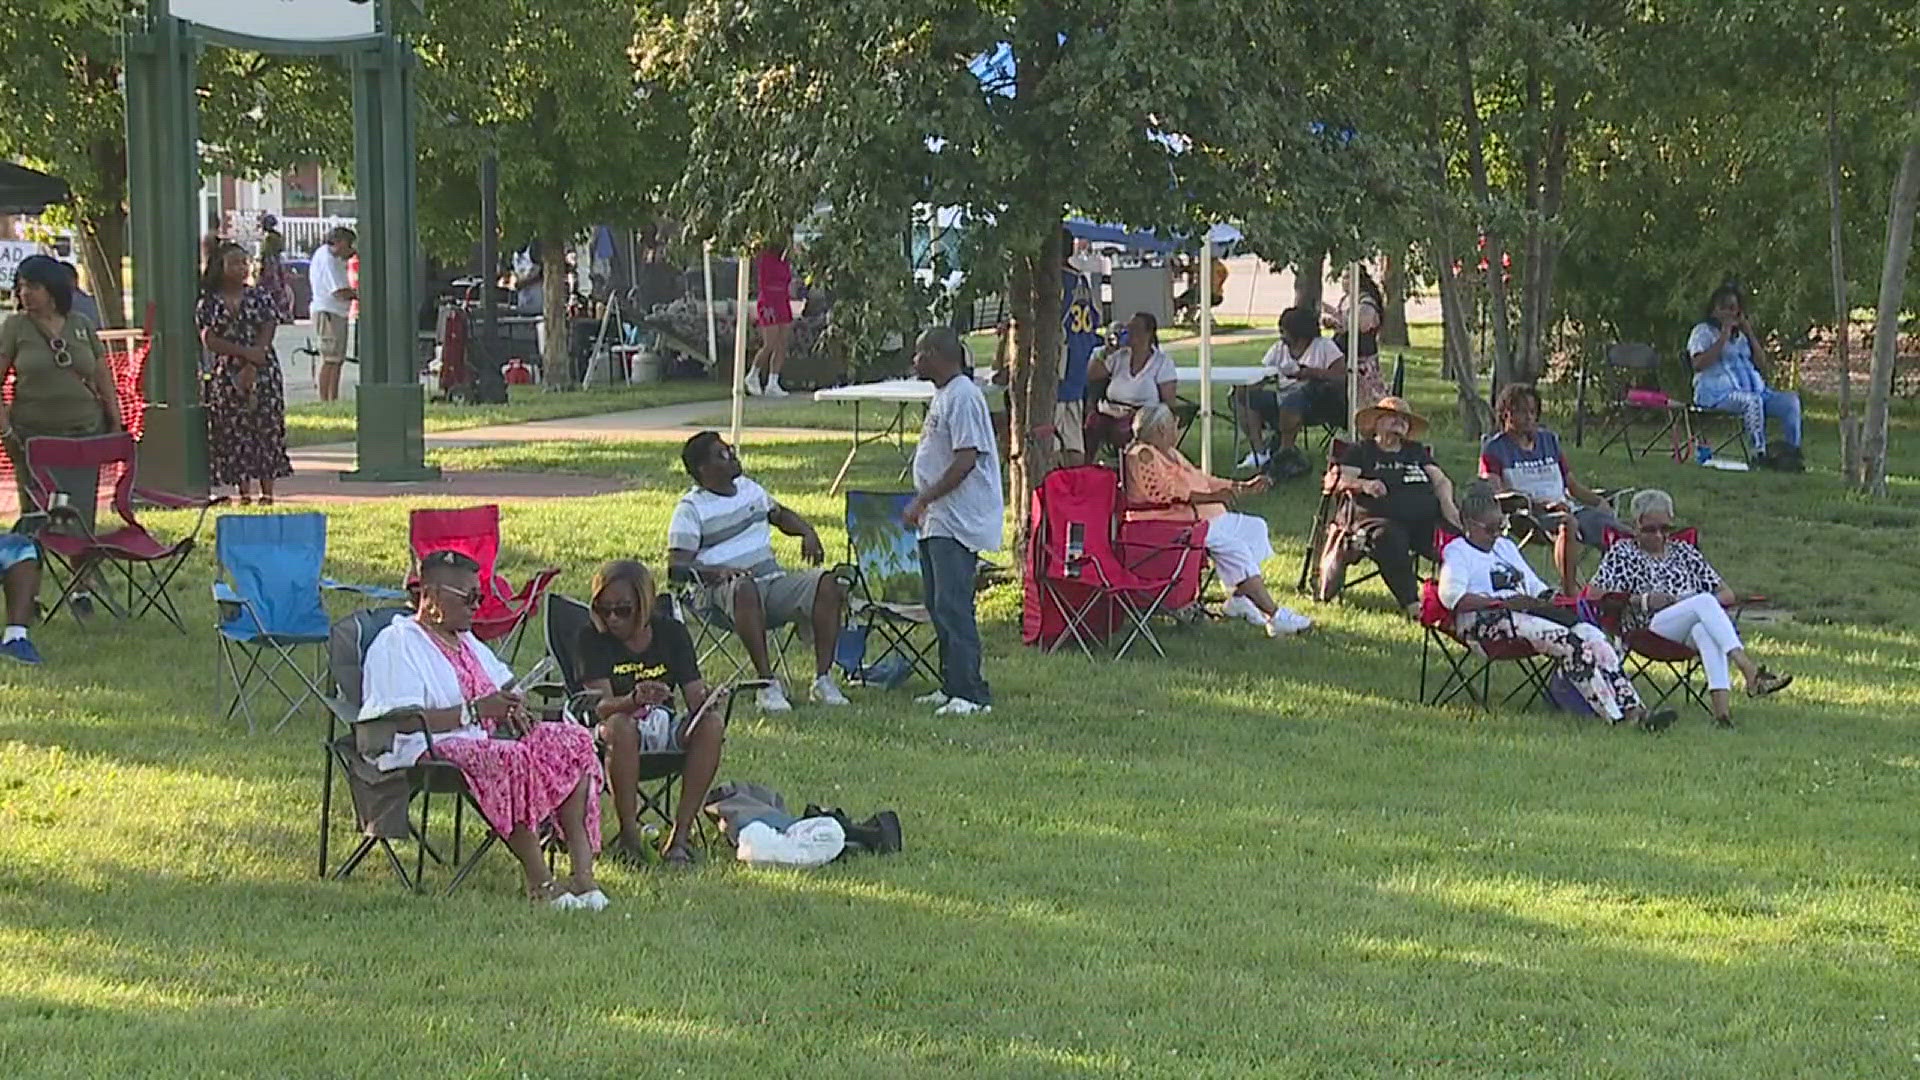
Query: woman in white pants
x=1674, y=592
x=1162, y=485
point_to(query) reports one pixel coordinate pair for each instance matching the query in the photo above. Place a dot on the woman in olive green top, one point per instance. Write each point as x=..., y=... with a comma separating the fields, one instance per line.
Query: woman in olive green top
x=62, y=384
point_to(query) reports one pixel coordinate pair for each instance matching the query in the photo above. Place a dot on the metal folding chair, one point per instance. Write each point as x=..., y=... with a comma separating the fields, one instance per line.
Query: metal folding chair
x=1677, y=422
x=888, y=597
x=76, y=552
x=1464, y=665
x=1667, y=667
x=474, y=531
x=714, y=636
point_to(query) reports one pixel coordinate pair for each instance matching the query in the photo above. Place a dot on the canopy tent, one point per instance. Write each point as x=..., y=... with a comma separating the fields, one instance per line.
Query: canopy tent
x=26, y=191
x=1142, y=240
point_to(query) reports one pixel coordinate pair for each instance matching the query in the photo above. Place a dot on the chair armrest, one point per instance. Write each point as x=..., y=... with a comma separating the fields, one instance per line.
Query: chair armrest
x=169, y=501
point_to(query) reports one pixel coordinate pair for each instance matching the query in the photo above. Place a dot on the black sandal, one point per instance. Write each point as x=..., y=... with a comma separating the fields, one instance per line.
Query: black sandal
x=677, y=857
x=1769, y=683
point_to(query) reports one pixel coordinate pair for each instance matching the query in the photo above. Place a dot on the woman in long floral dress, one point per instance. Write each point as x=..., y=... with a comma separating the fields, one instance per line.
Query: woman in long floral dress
x=240, y=378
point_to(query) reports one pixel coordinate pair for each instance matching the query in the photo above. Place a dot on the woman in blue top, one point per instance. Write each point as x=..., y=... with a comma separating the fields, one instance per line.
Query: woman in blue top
x=1726, y=378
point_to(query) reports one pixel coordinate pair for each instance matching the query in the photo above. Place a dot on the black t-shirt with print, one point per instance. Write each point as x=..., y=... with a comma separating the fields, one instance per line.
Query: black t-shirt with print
x=1410, y=495
x=668, y=658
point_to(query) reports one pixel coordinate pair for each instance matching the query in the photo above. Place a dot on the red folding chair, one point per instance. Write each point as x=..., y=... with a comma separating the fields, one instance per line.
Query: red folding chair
x=504, y=613
x=1078, y=585
x=77, y=551
x=1668, y=667
x=1468, y=661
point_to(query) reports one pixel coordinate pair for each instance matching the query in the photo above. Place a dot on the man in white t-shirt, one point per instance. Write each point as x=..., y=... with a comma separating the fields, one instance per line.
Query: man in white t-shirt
x=719, y=537
x=958, y=510
x=1309, y=386
x=333, y=298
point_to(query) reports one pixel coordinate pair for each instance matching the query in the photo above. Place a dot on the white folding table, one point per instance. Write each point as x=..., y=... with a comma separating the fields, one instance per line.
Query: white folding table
x=1236, y=377
x=899, y=393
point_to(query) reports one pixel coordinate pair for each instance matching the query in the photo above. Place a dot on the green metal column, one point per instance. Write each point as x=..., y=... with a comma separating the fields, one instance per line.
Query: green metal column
x=163, y=182
x=390, y=402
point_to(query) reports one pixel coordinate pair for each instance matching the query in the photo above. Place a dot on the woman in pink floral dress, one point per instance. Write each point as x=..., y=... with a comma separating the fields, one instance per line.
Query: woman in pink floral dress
x=522, y=774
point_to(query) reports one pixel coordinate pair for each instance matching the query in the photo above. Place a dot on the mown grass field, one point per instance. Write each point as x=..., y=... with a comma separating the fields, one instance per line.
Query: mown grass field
x=1250, y=858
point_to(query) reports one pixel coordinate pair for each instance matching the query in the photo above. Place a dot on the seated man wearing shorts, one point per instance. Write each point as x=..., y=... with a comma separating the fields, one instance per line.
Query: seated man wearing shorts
x=20, y=573
x=1525, y=457
x=719, y=538
x=1309, y=387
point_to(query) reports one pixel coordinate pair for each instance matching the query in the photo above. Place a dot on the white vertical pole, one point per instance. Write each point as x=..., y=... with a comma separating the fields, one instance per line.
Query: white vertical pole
x=713, y=328
x=740, y=310
x=1354, y=404
x=1206, y=353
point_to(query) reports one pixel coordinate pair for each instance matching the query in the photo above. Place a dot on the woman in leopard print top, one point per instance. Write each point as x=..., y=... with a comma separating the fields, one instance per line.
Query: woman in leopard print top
x=1675, y=593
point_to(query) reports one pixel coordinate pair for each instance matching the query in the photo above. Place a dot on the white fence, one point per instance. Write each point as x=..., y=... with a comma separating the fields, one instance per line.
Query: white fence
x=306, y=233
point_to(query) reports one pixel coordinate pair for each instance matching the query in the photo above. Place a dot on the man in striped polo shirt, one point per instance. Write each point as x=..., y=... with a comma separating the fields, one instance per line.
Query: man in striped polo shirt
x=719, y=537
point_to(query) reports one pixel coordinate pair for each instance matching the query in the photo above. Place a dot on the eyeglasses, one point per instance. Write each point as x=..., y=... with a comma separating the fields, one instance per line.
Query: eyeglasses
x=614, y=611
x=470, y=597
x=1658, y=530
x=62, y=356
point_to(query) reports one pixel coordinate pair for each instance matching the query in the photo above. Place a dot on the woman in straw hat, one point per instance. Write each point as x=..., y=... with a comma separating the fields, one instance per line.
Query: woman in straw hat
x=1397, y=495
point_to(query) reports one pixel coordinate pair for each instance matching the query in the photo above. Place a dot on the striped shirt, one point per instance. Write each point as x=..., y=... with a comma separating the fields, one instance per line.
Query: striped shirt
x=726, y=531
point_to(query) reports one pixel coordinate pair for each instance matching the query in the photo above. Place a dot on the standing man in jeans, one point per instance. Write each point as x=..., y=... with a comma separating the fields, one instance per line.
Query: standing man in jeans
x=959, y=512
x=333, y=297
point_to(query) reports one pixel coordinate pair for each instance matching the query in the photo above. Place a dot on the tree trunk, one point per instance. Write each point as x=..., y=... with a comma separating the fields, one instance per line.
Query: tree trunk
x=1309, y=279
x=1503, y=356
x=103, y=231
x=1034, y=382
x=556, y=367
x=1456, y=336
x=1393, y=321
x=1893, y=283
x=1842, y=319
x=1543, y=249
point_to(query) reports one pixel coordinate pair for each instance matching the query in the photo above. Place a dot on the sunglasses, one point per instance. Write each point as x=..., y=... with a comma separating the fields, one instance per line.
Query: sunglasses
x=469, y=597
x=62, y=356
x=1659, y=530
x=614, y=611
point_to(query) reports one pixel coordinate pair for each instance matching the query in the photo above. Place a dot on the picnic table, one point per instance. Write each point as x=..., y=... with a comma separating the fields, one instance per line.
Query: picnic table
x=901, y=394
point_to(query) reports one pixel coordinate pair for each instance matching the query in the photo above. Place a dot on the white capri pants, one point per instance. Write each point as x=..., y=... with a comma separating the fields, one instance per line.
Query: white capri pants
x=1238, y=544
x=1700, y=621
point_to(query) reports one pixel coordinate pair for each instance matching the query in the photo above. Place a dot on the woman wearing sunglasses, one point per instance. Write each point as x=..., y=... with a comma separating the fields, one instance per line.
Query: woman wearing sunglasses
x=240, y=377
x=62, y=384
x=521, y=773
x=635, y=658
x=1673, y=591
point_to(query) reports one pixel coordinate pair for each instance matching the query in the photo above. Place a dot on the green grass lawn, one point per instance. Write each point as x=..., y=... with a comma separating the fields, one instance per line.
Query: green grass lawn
x=334, y=421
x=1250, y=858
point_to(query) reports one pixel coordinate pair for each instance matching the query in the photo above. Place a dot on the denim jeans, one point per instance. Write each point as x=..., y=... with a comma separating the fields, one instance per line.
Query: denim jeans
x=947, y=570
x=1753, y=409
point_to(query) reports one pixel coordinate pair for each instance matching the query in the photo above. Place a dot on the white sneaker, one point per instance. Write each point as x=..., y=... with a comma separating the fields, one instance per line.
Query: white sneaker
x=753, y=388
x=1279, y=626
x=827, y=692
x=773, y=699
x=1299, y=622
x=1239, y=607
x=937, y=698
x=566, y=901
x=1255, y=460
x=961, y=707
x=593, y=901
x=773, y=388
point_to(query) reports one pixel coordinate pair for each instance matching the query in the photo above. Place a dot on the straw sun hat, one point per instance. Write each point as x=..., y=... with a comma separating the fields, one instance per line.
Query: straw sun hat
x=1416, y=424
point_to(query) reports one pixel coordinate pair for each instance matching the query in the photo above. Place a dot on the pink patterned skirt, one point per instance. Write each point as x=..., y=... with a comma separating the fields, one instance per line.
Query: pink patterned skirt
x=522, y=782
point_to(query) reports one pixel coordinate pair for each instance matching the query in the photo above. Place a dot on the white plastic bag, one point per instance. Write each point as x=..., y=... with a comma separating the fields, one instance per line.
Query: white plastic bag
x=807, y=842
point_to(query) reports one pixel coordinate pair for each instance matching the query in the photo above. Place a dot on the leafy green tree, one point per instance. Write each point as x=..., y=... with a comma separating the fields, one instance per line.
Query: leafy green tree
x=552, y=89
x=1160, y=115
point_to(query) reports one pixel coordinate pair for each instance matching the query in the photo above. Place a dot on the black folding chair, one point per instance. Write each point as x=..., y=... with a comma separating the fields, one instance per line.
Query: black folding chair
x=1639, y=402
x=569, y=699
x=383, y=800
x=714, y=636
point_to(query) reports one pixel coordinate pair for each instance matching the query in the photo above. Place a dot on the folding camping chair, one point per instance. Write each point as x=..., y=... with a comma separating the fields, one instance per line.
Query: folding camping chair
x=1680, y=423
x=1468, y=661
x=1155, y=548
x=77, y=552
x=267, y=591
x=1325, y=513
x=565, y=618
x=1084, y=589
x=383, y=800
x=475, y=532
x=888, y=597
x=713, y=634
x=1667, y=667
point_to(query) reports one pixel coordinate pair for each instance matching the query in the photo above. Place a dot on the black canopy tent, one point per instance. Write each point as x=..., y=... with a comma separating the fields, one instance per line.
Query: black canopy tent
x=25, y=191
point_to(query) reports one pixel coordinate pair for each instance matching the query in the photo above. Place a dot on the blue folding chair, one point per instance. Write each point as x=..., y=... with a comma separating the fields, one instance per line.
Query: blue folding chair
x=268, y=594
x=888, y=598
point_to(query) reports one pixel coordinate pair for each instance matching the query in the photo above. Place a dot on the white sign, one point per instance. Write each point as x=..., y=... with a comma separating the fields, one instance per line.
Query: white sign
x=282, y=20
x=12, y=254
